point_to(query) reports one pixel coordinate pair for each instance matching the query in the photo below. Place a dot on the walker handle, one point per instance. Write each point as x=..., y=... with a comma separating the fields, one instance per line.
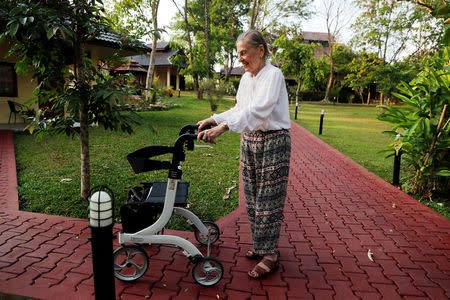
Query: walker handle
x=191, y=130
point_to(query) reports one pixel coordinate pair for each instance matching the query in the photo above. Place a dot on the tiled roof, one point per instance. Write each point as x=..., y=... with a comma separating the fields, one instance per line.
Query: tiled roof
x=162, y=55
x=238, y=71
x=163, y=58
x=316, y=36
x=132, y=66
x=114, y=39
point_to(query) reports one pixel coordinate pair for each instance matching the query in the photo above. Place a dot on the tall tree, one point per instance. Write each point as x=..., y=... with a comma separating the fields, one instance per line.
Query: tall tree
x=49, y=39
x=155, y=34
x=255, y=11
x=335, y=21
x=297, y=60
x=363, y=71
x=207, y=41
x=394, y=29
x=131, y=17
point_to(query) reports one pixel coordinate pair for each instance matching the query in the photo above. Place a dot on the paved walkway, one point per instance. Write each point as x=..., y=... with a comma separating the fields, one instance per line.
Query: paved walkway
x=335, y=212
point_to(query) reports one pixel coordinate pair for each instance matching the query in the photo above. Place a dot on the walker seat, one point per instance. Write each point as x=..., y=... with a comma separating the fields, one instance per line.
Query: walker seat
x=158, y=194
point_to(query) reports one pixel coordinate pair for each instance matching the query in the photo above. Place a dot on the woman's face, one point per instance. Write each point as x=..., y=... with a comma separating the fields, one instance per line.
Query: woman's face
x=251, y=57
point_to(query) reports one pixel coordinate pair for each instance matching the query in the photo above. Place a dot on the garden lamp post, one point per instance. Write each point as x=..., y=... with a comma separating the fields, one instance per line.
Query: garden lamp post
x=397, y=161
x=322, y=113
x=101, y=221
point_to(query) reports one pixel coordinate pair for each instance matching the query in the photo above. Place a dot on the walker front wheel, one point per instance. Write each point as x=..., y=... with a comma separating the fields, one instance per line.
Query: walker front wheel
x=130, y=262
x=214, y=233
x=207, y=271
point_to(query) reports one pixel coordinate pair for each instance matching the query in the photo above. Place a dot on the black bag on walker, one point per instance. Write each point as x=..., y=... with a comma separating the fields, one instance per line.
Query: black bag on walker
x=137, y=214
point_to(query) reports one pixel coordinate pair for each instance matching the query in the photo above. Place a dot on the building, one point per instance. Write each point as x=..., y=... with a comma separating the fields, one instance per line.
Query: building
x=165, y=71
x=19, y=88
x=318, y=38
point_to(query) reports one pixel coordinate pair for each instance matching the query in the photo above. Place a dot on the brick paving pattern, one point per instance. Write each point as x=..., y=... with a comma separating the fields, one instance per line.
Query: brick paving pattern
x=335, y=212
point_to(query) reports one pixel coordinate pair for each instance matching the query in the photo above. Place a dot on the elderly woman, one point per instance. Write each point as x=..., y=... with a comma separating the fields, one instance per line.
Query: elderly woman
x=262, y=114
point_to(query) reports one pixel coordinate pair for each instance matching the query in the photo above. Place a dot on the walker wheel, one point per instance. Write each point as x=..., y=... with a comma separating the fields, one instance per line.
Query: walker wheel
x=214, y=233
x=207, y=271
x=130, y=262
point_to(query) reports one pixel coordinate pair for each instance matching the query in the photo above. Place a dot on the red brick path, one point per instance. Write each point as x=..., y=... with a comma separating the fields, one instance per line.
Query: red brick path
x=335, y=212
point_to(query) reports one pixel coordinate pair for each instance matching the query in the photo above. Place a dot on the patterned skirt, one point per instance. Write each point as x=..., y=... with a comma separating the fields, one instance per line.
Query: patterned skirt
x=265, y=160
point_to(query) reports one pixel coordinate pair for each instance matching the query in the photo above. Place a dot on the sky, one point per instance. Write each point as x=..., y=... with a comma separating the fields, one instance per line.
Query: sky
x=167, y=11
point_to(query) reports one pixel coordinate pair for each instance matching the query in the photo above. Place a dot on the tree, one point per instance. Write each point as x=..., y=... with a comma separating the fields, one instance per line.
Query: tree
x=130, y=16
x=335, y=22
x=50, y=36
x=362, y=72
x=155, y=34
x=255, y=11
x=297, y=60
x=393, y=28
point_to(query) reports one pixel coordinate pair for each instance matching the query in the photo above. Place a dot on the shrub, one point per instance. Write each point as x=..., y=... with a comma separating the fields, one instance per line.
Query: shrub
x=423, y=125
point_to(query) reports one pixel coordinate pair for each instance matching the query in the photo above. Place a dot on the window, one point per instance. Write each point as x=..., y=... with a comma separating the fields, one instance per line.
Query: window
x=8, y=80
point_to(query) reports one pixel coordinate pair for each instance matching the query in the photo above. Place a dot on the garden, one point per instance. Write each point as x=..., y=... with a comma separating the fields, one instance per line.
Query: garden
x=49, y=176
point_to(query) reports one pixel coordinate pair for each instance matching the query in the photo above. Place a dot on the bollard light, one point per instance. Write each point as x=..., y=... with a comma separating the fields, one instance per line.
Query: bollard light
x=397, y=163
x=100, y=209
x=101, y=221
x=322, y=113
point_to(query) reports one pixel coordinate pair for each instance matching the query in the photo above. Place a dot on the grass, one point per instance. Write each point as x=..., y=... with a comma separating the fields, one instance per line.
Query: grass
x=43, y=164
x=49, y=168
x=356, y=132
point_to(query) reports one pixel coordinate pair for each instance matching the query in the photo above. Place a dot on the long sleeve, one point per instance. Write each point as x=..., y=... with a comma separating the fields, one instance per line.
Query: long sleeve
x=262, y=103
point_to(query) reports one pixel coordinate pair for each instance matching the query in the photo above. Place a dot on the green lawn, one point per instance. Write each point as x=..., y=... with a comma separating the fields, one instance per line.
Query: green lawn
x=356, y=132
x=43, y=164
x=48, y=169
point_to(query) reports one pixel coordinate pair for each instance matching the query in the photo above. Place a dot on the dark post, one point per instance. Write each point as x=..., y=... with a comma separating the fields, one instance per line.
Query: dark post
x=101, y=222
x=179, y=91
x=321, y=121
x=296, y=110
x=397, y=161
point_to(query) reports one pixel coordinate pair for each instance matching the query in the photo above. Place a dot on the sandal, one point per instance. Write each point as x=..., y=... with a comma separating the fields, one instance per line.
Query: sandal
x=250, y=254
x=265, y=267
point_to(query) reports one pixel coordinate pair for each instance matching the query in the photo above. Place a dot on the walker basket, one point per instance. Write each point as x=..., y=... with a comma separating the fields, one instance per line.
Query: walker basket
x=138, y=215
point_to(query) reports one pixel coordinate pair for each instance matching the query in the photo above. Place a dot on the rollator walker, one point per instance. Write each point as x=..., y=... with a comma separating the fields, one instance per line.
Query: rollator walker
x=140, y=223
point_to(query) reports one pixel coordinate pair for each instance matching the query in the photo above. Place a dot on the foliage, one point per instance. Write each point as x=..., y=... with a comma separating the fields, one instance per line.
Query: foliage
x=49, y=39
x=225, y=26
x=296, y=58
x=130, y=17
x=362, y=72
x=392, y=28
x=422, y=141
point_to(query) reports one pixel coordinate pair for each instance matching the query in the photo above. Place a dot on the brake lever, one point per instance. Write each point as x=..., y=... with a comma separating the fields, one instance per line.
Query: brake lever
x=203, y=146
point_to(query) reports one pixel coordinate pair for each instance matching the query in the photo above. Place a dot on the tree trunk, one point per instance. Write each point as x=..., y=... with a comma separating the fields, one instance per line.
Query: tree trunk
x=255, y=11
x=151, y=65
x=80, y=78
x=368, y=95
x=230, y=60
x=208, y=75
x=85, y=157
x=191, y=55
x=381, y=98
x=331, y=77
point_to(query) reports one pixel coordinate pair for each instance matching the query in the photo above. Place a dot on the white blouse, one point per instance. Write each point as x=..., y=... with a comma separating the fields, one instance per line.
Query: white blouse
x=261, y=103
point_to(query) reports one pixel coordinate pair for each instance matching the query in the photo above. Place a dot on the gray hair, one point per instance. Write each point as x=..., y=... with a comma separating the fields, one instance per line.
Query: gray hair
x=254, y=38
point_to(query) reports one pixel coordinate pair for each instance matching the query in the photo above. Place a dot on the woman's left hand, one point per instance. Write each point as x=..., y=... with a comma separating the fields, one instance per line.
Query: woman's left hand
x=209, y=135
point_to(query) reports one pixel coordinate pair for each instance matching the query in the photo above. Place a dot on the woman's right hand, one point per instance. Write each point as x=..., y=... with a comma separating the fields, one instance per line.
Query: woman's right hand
x=201, y=124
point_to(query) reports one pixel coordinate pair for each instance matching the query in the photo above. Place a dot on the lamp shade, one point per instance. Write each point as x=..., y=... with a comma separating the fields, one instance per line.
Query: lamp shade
x=100, y=209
